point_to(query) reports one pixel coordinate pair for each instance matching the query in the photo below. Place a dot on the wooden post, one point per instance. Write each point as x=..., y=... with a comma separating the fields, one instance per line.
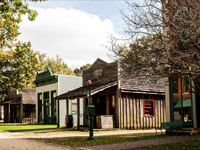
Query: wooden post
x=125, y=112
x=78, y=114
x=119, y=114
x=21, y=110
x=8, y=112
x=122, y=113
x=131, y=107
x=128, y=113
x=0, y=112
x=67, y=113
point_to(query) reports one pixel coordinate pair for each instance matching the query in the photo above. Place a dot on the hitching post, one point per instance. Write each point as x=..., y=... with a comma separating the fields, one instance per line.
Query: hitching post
x=90, y=111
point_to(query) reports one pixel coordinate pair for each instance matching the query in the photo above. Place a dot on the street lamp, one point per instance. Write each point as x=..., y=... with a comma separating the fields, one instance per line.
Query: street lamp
x=90, y=112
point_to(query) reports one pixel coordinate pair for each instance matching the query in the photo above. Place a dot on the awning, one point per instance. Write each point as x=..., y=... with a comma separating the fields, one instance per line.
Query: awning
x=185, y=104
x=82, y=92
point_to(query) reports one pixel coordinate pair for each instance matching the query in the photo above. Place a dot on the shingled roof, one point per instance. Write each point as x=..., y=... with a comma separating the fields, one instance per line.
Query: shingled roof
x=143, y=84
x=136, y=85
x=28, y=94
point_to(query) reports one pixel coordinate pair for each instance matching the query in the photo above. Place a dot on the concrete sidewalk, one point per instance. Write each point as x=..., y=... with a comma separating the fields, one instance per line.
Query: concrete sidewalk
x=144, y=143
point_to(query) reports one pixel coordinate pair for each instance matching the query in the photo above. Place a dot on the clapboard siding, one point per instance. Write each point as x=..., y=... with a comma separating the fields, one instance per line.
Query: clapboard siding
x=132, y=114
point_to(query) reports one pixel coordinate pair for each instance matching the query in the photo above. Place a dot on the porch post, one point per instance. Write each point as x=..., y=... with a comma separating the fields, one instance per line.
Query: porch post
x=119, y=97
x=194, y=110
x=8, y=113
x=167, y=99
x=67, y=113
x=78, y=114
x=21, y=110
x=0, y=112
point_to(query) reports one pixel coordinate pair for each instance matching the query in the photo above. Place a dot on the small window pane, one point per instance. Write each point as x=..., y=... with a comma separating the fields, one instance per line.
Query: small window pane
x=148, y=108
x=175, y=82
x=186, y=85
x=74, y=108
x=46, y=95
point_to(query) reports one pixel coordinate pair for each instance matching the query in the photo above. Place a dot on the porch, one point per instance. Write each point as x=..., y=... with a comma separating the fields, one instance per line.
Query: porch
x=103, y=98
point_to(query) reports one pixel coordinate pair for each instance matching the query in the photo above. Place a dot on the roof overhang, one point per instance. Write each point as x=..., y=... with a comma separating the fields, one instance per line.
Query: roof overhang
x=142, y=92
x=83, y=92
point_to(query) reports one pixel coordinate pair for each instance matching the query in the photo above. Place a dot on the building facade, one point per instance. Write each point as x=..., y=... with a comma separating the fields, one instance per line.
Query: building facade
x=120, y=103
x=19, y=105
x=49, y=86
x=181, y=103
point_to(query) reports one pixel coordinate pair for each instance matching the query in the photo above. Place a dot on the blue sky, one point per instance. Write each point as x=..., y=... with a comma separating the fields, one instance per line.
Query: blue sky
x=75, y=30
x=104, y=9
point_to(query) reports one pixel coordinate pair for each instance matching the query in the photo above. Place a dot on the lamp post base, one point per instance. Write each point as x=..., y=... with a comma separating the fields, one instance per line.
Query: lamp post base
x=91, y=137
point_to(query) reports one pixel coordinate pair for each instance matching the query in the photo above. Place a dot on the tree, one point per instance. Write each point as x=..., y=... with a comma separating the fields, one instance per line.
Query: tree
x=78, y=71
x=166, y=39
x=56, y=65
x=17, y=67
x=17, y=61
x=10, y=17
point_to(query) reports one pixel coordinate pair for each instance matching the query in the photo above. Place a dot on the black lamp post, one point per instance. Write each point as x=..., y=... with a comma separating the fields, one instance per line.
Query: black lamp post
x=90, y=112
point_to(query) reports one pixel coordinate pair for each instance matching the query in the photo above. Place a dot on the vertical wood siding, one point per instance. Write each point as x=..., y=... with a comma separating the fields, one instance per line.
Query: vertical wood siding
x=132, y=113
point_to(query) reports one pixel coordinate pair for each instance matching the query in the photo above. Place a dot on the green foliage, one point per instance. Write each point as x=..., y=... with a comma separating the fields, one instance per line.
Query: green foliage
x=56, y=65
x=144, y=56
x=10, y=17
x=17, y=67
x=78, y=71
x=17, y=61
x=19, y=128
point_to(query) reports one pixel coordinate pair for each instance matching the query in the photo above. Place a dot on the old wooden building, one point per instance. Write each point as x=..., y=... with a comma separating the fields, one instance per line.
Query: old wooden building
x=49, y=85
x=20, y=105
x=136, y=103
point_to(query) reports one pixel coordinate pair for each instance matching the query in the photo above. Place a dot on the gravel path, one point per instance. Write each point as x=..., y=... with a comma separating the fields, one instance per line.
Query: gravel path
x=8, y=142
x=21, y=141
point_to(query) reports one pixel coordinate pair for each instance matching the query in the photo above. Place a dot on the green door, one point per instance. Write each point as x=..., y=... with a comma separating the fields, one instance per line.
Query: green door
x=39, y=107
x=46, y=106
x=46, y=110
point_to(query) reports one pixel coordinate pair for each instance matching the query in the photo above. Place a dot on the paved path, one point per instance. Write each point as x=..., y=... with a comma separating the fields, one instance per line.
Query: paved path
x=16, y=142
x=142, y=143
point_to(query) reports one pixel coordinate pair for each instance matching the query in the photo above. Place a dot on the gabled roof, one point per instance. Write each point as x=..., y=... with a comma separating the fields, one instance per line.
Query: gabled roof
x=28, y=94
x=98, y=61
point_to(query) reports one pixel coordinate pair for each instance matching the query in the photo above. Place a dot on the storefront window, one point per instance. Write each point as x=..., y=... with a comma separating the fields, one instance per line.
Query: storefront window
x=46, y=96
x=181, y=99
x=40, y=104
x=54, y=104
x=47, y=109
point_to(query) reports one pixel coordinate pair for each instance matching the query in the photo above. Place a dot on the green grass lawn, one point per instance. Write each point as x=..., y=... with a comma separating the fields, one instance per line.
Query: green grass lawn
x=191, y=145
x=18, y=128
x=83, y=141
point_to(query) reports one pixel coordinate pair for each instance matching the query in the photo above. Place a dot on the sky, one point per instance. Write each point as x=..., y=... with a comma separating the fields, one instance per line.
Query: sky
x=76, y=30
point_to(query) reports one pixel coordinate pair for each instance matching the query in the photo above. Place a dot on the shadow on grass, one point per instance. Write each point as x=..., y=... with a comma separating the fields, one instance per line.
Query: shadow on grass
x=99, y=140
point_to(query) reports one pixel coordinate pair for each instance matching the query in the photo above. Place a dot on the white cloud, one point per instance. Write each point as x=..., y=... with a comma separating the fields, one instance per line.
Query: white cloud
x=75, y=35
